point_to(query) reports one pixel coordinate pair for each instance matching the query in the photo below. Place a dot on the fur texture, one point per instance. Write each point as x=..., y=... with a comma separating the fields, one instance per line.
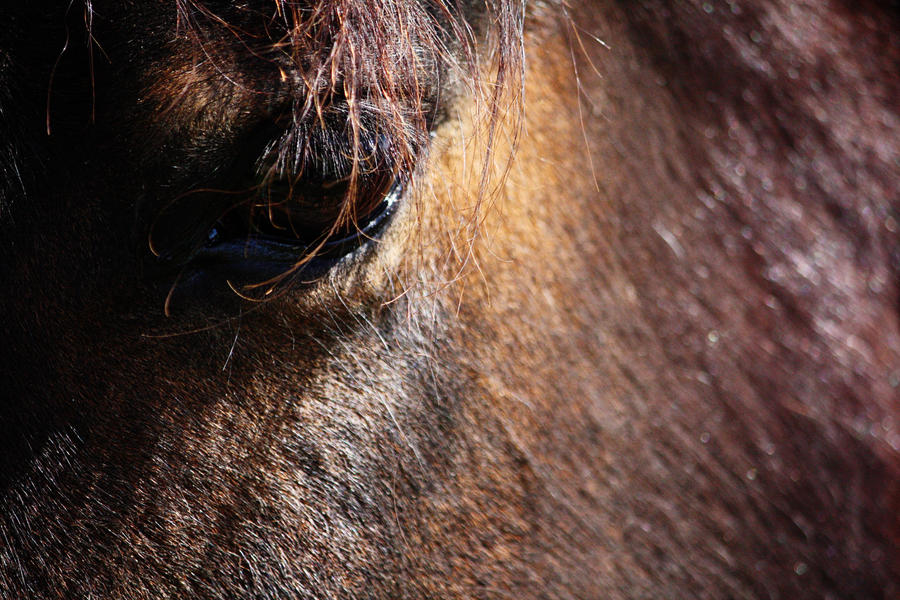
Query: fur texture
x=632, y=333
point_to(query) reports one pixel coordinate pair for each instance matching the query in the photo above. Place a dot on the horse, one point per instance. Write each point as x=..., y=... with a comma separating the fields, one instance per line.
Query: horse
x=323, y=299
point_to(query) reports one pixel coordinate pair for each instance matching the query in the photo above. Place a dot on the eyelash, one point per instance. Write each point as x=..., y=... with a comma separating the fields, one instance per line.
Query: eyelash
x=270, y=223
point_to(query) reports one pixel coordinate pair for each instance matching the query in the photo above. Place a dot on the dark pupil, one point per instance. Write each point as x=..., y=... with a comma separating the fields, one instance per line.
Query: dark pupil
x=321, y=202
x=303, y=212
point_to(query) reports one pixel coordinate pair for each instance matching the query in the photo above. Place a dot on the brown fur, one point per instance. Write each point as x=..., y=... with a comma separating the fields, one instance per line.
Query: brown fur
x=656, y=355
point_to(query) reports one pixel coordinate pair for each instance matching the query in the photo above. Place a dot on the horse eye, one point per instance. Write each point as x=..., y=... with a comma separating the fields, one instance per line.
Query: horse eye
x=290, y=222
x=320, y=218
x=272, y=218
